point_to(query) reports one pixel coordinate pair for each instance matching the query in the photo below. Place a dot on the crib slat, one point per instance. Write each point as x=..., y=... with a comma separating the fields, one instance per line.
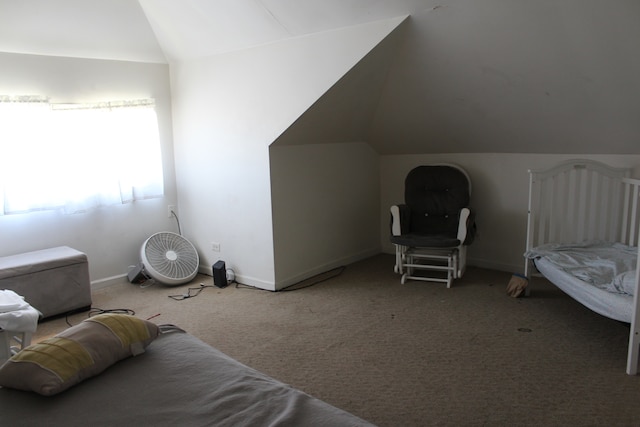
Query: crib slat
x=631, y=209
x=634, y=218
x=612, y=208
x=626, y=213
x=542, y=216
x=584, y=208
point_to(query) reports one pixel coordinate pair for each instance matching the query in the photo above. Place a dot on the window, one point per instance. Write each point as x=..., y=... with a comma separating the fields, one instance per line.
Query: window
x=73, y=157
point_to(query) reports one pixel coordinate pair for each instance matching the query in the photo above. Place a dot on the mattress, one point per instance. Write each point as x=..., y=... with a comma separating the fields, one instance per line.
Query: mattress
x=178, y=381
x=600, y=275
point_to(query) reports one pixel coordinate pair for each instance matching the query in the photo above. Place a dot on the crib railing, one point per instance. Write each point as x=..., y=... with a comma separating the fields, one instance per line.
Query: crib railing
x=578, y=201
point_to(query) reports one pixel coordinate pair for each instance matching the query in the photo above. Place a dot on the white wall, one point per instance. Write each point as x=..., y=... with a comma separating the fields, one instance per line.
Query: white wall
x=110, y=236
x=499, y=196
x=228, y=109
x=325, y=207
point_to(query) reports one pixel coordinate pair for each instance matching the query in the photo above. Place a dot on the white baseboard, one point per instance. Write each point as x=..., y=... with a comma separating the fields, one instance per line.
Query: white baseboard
x=108, y=281
x=245, y=280
x=270, y=286
x=350, y=259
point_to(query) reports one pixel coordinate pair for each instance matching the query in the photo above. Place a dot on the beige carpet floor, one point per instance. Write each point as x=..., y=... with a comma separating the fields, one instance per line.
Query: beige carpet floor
x=411, y=355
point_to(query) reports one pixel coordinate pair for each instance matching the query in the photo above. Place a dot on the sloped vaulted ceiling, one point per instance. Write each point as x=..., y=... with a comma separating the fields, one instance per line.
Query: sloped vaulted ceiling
x=197, y=28
x=345, y=112
x=98, y=29
x=468, y=76
x=515, y=76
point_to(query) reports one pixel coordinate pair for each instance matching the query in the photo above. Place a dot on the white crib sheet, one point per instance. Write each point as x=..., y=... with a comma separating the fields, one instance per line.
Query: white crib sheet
x=599, y=275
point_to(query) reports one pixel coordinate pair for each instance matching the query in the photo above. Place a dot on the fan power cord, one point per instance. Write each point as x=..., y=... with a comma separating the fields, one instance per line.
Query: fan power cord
x=191, y=292
x=96, y=311
x=177, y=221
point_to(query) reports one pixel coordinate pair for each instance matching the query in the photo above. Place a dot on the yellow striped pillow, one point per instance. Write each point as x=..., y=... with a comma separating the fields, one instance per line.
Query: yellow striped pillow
x=82, y=351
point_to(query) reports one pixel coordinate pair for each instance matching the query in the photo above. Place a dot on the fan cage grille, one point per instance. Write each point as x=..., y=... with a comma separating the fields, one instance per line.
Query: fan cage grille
x=170, y=258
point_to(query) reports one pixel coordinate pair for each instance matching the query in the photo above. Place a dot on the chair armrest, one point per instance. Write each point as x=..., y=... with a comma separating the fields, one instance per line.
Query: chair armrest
x=399, y=219
x=466, y=226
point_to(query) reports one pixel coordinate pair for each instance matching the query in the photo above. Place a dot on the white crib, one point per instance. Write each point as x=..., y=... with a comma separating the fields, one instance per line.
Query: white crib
x=582, y=201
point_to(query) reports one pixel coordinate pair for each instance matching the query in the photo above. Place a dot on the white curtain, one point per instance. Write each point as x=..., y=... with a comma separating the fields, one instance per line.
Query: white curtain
x=73, y=157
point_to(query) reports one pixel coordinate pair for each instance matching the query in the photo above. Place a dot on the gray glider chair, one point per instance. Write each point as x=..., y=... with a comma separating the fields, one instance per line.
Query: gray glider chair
x=432, y=229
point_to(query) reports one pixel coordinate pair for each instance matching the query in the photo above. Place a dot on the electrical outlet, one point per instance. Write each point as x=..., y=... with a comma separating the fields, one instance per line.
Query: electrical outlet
x=170, y=210
x=215, y=246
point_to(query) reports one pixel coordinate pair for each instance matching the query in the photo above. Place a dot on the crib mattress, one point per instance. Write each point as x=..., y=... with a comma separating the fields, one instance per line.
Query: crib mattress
x=613, y=305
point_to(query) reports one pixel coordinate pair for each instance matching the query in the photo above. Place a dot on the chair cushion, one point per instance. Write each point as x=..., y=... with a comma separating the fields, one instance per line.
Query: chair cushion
x=435, y=194
x=425, y=241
